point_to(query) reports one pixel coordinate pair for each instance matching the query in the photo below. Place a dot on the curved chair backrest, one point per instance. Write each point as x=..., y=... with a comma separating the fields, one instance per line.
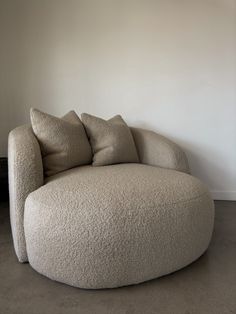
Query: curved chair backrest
x=26, y=170
x=25, y=175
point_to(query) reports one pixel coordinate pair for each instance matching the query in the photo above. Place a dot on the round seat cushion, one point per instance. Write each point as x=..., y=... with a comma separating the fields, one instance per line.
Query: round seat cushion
x=103, y=227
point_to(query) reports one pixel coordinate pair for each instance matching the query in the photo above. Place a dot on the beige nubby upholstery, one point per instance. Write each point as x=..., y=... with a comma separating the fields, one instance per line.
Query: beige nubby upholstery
x=109, y=226
x=25, y=176
x=112, y=141
x=63, y=141
x=157, y=150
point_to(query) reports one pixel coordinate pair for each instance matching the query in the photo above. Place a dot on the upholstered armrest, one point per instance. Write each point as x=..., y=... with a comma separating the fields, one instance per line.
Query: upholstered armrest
x=156, y=150
x=25, y=176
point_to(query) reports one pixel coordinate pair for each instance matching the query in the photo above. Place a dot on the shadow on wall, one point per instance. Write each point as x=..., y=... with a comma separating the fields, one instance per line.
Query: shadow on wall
x=204, y=163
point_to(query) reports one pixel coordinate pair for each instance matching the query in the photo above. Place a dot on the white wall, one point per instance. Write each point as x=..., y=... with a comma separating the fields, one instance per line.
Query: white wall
x=165, y=65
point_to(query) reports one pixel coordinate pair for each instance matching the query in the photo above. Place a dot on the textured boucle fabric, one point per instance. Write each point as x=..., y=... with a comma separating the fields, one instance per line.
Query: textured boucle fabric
x=63, y=142
x=26, y=171
x=156, y=150
x=104, y=227
x=25, y=176
x=111, y=140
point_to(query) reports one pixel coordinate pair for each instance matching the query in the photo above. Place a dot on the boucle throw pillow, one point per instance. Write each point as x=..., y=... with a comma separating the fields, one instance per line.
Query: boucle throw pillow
x=111, y=140
x=63, y=142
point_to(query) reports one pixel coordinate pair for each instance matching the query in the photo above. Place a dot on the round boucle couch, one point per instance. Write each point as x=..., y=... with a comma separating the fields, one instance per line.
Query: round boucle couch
x=110, y=226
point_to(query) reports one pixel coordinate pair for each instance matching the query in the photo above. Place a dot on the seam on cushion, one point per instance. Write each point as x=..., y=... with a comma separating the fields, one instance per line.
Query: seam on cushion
x=161, y=204
x=189, y=200
x=183, y=170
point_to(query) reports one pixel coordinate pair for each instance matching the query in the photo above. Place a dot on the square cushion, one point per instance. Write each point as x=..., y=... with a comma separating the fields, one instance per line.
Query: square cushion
x=111, y=141
x=64, y=143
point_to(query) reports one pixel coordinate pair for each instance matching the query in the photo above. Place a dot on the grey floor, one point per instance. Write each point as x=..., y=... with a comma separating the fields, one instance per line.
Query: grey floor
x=206, y=286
